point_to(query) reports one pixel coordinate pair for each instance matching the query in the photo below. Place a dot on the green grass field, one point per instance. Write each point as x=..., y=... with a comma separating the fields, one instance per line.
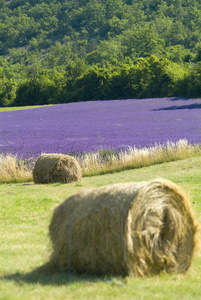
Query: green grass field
x=25, y=212
x=20, y=107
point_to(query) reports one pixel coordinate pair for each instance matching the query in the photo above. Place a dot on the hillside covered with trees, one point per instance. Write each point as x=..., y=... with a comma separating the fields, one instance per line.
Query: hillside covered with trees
x=78, y=50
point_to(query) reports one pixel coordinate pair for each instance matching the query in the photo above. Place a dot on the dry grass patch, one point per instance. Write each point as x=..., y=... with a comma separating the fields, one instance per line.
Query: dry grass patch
x=13, y=170
x=96, y=163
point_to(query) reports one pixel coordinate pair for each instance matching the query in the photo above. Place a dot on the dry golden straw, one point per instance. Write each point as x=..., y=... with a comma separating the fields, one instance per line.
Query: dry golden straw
x=56, y=168
x=126, y=229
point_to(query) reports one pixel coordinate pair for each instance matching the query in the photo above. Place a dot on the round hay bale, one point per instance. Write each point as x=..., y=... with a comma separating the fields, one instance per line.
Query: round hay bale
x=127, y=229
x=53, y=167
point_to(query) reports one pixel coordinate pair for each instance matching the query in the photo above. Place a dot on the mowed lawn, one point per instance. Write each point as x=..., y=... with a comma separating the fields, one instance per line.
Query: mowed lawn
x=25, y=212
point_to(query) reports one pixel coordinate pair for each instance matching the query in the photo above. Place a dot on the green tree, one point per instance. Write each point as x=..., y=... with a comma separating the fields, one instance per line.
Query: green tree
x=7, y=85
x=92, y=85
x=2, y=3
x=191, y=85
x=106, y=52
x=38, y=89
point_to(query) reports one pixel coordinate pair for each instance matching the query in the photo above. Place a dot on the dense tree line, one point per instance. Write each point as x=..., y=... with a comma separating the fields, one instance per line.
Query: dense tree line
x=77, y=50
x=146, y=78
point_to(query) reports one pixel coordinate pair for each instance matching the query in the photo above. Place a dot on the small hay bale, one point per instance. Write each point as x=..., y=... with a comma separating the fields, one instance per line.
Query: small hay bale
x=127, y=229
x=53, y=167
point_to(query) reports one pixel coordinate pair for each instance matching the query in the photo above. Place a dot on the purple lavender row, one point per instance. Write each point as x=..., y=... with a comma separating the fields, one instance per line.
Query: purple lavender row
x=94, y=125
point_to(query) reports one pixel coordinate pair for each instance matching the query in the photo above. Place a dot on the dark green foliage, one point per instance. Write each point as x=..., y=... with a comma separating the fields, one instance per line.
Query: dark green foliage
x=107, y=49
x=7, y=84
x=191, y=85
x=148, y=77
x=38, y=89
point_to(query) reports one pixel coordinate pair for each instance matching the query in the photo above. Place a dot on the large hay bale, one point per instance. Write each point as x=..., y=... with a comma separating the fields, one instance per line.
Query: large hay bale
x=124, y=229
x=56, y=168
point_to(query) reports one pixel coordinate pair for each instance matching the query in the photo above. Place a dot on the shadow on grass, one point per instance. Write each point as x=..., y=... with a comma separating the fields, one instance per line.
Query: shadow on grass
x=44, y=277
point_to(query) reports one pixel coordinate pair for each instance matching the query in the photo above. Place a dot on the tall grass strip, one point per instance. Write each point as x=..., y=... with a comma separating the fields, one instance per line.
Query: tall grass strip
x=13, y=170
x=131, y=158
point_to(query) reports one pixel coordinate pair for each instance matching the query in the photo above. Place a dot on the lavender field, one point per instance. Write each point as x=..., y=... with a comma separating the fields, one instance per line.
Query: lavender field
x=94, y=125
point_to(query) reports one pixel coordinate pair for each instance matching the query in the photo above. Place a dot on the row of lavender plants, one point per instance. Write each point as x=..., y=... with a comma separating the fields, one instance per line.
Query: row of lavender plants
x=84, y=127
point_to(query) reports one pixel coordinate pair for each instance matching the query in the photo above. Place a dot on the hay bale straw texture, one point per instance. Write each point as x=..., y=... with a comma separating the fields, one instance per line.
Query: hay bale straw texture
x=56, y=168
x=127, y=229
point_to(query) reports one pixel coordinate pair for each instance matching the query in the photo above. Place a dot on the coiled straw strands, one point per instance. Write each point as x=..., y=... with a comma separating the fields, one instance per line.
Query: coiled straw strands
x=127, y=229
x=56, y=168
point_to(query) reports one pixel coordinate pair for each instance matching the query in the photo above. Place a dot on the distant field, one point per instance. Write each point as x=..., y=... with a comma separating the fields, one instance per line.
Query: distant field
x=90, y=126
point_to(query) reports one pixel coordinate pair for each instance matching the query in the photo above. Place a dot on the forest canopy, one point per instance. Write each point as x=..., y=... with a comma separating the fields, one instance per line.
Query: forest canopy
x=78, y=50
